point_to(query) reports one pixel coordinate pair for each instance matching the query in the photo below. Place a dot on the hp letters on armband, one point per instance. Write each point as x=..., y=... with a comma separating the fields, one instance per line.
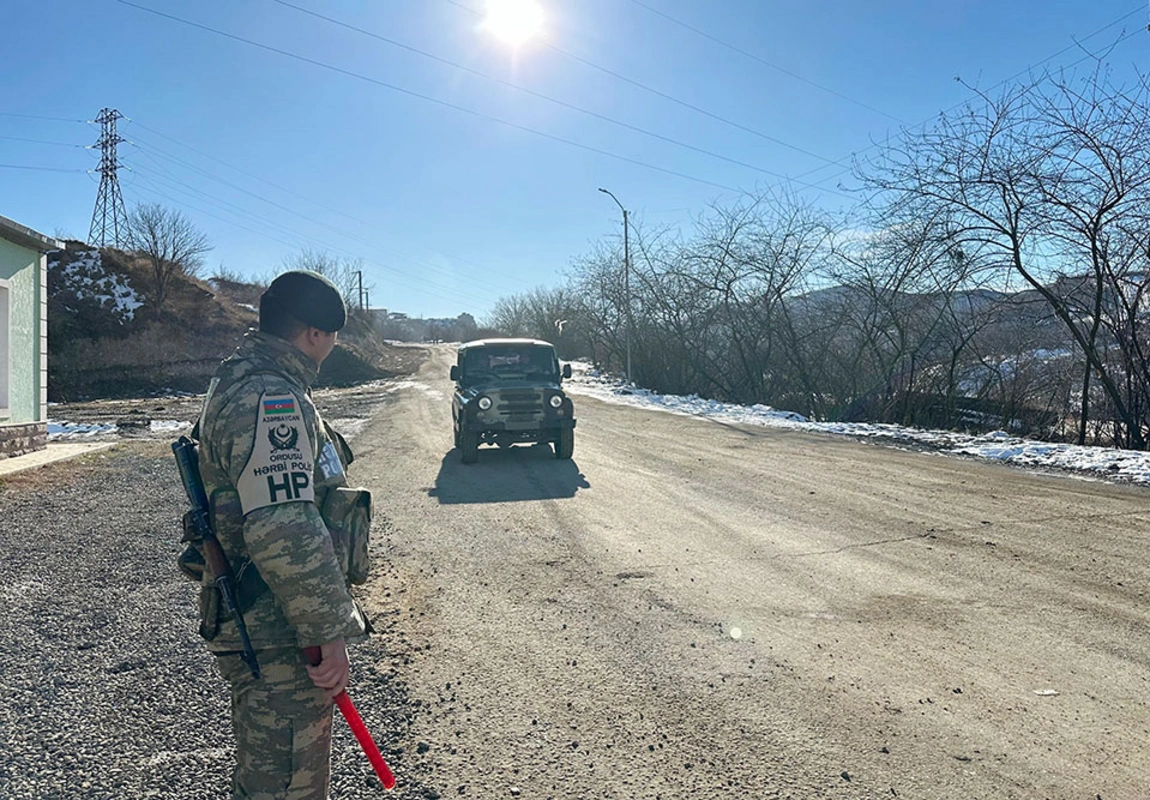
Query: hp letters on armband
x=281, y=464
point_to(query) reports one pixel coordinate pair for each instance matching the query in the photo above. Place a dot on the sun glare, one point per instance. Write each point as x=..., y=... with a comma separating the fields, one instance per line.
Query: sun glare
x=514, y=21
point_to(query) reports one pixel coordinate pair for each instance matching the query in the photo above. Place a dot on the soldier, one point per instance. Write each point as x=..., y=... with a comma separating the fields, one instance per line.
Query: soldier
x=295, y=534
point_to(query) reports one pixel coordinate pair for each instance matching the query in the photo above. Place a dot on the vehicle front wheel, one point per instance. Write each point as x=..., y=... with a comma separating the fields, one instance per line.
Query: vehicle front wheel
x=565, y=444
x=469, y=447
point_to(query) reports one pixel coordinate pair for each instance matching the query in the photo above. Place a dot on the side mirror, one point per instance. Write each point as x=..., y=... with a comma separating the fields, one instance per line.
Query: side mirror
x=566, y=370
x=455, y=372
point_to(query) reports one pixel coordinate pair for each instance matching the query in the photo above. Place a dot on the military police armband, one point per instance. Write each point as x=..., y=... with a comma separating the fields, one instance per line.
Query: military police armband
x=280, y=467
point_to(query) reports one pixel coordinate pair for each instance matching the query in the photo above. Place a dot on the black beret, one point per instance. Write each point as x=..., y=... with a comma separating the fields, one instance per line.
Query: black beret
x=309, y=297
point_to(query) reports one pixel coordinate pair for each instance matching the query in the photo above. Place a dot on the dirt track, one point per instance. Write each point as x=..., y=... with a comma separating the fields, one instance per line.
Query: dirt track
x=696, y=610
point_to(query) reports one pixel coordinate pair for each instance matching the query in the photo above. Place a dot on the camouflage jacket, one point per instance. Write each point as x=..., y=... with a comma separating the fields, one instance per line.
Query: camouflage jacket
x=267, y=465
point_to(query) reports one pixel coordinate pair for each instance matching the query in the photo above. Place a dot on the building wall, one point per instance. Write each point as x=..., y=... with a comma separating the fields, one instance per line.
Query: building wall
x=16, y=440
x=25, y=273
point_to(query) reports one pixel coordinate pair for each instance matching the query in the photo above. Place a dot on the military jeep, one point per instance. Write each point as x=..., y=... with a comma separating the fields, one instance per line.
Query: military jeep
x=507, y=391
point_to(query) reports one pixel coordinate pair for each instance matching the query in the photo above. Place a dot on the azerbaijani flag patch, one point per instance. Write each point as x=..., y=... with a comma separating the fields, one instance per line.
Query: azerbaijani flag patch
x=279, y=405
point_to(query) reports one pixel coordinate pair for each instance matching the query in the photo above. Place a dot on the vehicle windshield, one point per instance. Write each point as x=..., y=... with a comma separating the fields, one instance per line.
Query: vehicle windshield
x=510, y=363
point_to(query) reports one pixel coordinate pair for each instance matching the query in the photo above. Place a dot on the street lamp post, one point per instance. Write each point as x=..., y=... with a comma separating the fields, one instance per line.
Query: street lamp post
x=626, y=276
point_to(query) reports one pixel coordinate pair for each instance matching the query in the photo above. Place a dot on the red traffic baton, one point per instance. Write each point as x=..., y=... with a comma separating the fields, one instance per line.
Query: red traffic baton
x=363, y=736
x=358, y=729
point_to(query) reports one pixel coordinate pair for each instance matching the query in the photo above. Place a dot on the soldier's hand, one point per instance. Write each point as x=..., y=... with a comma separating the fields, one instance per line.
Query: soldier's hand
x=332, y=673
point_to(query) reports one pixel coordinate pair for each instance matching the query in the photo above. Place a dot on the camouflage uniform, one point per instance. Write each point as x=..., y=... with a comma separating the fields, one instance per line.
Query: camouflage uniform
x=269, y=466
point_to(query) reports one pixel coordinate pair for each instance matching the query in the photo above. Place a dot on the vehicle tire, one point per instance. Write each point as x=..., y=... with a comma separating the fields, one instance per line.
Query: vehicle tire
x=469, y=447
x=455, y=430
x=565, y=444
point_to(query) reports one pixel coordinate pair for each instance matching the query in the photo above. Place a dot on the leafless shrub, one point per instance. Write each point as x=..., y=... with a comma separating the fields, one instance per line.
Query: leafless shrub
x=169, y=243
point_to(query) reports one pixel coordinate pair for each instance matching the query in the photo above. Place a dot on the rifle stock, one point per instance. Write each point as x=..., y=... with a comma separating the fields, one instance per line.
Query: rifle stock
x=187, y=461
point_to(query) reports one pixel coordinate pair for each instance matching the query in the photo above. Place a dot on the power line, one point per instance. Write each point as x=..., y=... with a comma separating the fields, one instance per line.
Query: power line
x=1030, y=69
x=563, y=103
x=829, y=162
x=664, y=95
x=429, y=98
x=218, y=203
x=763, y=61
x=39, y=116
x=227, y=183
x=482, y=286
x=290, y=234
x=264, y=230
x=286, y=190
x=43, y=141
x=460, y=108
x=1069, y=47
x=40, y=169
x=283, y=189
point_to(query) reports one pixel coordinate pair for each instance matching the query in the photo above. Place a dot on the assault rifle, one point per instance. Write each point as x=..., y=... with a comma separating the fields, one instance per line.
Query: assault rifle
x=189, y=465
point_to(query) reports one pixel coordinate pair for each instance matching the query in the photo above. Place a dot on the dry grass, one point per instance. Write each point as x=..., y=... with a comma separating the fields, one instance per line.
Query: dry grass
x=178, y=347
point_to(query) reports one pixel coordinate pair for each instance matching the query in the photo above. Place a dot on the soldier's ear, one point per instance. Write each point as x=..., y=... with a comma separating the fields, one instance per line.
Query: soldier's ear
x=308, y=338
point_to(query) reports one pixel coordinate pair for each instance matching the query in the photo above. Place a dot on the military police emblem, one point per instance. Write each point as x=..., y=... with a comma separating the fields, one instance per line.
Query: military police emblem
x=281, y=464
x=283, y=437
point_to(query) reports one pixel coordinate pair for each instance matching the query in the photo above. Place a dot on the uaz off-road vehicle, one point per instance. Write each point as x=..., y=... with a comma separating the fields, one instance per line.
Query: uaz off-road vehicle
x=507, y=391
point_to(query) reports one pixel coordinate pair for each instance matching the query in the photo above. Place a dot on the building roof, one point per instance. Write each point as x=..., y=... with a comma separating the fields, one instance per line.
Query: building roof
x=26, y=237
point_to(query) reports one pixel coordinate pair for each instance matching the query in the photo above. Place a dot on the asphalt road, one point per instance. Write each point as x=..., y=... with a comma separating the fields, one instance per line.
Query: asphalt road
x=695, y=610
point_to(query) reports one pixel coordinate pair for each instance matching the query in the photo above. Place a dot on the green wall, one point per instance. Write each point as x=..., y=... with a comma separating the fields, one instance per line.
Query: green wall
x=21, y=268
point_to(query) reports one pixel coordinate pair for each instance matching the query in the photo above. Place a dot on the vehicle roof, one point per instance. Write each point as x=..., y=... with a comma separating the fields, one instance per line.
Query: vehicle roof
x=501, y=342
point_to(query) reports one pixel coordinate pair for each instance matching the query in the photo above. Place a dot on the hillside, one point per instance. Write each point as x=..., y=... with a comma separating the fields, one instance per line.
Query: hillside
x=106, y=339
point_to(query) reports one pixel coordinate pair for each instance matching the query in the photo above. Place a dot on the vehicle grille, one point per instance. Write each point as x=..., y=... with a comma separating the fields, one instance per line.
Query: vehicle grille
x=521, y=404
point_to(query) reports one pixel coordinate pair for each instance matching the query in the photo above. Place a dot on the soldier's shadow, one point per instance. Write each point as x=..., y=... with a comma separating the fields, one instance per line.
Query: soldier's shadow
x=507, y=474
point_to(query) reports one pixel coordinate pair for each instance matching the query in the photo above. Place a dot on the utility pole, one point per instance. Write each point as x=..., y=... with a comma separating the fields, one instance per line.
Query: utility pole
x=359, y=278
x=108, y=217
x=626, y=277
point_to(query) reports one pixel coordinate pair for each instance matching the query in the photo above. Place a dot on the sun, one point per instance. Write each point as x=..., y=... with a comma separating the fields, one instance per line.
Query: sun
x=514, y=21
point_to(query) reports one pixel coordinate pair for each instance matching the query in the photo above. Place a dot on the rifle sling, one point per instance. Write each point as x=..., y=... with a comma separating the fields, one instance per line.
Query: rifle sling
x=250, y=585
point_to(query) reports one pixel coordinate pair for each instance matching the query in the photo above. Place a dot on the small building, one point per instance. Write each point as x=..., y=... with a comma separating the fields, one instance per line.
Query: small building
x=23, y=338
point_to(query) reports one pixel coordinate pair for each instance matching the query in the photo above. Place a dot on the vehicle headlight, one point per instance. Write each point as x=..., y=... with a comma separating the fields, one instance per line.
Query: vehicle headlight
x=484, y=403
x=555, y=401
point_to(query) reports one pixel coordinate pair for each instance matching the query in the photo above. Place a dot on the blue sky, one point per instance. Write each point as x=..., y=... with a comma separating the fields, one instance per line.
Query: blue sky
x=457, y=189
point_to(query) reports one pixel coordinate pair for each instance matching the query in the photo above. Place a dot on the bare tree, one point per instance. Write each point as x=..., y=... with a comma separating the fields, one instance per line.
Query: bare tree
x=1043, y=182
x=554, y=315
x=597, y=278
x=170, y=244
x=345, y=273
x=708, y=310
x=738, y=272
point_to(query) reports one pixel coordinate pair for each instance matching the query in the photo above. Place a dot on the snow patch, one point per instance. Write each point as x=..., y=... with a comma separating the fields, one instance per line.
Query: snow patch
x=86, y=278
x=168, y=426
x=1001, y=446
x=58, y=430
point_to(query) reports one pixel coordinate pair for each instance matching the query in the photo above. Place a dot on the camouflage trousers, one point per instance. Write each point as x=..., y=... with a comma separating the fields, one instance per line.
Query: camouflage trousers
x=282, y=727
